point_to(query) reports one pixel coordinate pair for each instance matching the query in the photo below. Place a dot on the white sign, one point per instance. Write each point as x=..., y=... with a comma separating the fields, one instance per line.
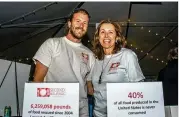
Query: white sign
x=142, y=99
x=51, y=100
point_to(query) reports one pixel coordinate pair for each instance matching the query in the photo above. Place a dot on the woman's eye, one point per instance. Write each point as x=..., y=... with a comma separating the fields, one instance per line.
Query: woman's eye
x=111, y=32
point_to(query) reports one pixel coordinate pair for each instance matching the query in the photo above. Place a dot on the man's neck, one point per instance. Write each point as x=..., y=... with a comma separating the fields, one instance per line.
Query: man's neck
x=73, y=39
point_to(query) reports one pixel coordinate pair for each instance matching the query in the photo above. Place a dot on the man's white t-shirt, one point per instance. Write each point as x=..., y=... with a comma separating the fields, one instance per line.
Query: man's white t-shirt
x=67, y=62
x=117, y=68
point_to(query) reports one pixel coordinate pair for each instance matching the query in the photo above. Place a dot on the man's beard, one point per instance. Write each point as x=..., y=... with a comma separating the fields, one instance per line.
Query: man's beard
x=73, y=31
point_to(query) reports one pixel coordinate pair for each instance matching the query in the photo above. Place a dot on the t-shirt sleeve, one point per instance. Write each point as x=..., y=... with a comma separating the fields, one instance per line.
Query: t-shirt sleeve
x=133, y=68
x=92, y=63
x=44, y=53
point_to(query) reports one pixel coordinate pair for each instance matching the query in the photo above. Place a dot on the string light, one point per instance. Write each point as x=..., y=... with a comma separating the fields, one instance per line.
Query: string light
x=148, y=53
x=122, y=23
x=151, y=56
x=21, y=60
x=155, y=33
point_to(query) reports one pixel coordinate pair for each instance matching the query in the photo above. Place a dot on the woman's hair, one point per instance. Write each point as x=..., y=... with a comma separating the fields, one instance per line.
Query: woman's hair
x=120, y=40
x=173, y=54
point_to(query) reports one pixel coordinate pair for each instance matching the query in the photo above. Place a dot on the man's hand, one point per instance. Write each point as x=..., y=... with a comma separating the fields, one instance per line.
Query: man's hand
x=90, y=88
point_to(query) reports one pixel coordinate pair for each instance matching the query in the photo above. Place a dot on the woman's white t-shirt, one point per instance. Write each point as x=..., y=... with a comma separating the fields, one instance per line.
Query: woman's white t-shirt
x=117, y=68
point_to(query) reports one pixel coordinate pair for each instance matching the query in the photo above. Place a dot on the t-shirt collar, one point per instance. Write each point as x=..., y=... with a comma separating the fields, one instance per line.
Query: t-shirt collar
x=71, y=42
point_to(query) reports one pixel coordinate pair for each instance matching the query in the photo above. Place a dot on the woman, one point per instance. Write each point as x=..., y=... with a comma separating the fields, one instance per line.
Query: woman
x=113, y=64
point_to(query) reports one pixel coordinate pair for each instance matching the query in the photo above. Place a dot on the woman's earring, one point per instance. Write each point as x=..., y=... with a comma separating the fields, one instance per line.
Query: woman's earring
x=117, y=40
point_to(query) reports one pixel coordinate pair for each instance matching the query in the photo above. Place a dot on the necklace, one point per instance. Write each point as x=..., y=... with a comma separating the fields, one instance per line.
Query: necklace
x=103, y=68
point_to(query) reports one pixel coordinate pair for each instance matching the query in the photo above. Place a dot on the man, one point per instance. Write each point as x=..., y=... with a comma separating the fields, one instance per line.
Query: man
x=169, y=77
x=66, y=59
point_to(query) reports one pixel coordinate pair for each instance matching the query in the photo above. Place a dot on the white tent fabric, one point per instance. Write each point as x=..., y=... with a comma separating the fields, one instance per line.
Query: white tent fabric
x=8, y=89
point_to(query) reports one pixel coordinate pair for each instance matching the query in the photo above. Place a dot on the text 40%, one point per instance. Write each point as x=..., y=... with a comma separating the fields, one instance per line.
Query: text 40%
x=135, y=95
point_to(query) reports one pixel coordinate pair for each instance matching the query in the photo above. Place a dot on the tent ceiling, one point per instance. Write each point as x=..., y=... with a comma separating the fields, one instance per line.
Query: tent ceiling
x=146, y=19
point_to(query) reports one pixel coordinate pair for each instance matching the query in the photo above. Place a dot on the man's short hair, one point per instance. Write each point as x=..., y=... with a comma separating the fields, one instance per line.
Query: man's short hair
x=78, y=10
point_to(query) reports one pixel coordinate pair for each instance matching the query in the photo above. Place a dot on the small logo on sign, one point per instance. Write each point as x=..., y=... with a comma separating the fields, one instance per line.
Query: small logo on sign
x=43, y=92
x=47, y=92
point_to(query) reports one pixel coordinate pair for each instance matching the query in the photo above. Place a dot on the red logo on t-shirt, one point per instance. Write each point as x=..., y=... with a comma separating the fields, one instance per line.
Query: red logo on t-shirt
x=114, y=66
x=85, y=57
